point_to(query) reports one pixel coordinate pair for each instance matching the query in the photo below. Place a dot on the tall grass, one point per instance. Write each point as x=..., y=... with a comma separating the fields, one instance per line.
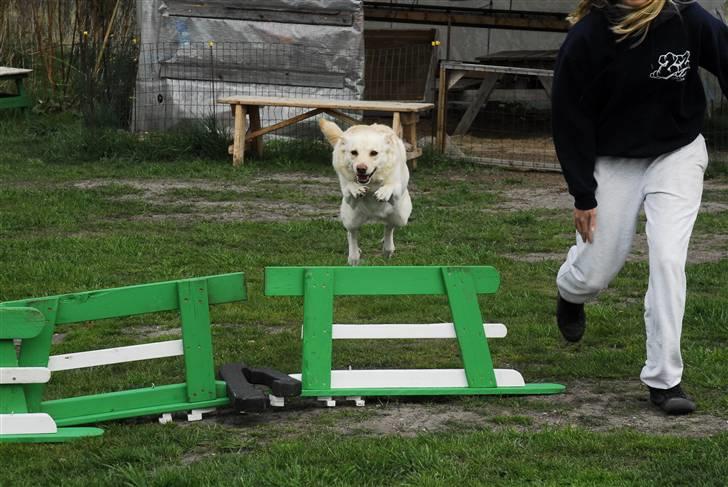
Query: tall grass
x=82, y=53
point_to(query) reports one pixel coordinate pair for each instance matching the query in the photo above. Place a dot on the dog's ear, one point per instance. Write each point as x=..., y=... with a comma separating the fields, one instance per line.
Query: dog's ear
x=331, y=131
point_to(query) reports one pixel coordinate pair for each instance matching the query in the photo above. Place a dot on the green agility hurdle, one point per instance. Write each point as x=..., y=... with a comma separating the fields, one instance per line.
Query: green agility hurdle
x=319, y=286
x=26, y=417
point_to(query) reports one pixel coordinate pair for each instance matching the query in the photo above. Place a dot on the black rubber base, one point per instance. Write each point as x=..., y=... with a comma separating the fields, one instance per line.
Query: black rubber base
x=243, y=394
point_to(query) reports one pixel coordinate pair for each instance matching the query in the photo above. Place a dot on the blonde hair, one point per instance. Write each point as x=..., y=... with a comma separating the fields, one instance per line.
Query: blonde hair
x=635, y=23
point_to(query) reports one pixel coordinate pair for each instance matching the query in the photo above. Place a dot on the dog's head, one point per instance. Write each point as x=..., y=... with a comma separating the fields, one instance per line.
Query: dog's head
x=362, y=150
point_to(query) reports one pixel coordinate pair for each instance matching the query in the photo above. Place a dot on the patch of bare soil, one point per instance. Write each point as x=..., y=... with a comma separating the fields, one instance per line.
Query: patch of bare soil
x=245, y=211
x=703, y=248
x=197, y=208
x=594, y=406
x=538, y=150
x=523, y=199
x=557, y=197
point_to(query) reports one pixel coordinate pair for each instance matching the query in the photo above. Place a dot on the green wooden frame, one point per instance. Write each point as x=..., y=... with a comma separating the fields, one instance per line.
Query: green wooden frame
x=191, y=297
x=19, y=100
x=319, y=286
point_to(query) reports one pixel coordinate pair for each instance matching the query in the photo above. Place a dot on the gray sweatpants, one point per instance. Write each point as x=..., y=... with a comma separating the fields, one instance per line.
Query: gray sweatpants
x=670, y=187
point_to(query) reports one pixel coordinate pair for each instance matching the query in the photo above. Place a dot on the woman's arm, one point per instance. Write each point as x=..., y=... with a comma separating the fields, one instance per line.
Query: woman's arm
x=714, y=46
x=573, y=127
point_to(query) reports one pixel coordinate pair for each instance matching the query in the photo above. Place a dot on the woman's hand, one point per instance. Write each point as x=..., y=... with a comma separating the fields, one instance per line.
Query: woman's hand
x=586, y=223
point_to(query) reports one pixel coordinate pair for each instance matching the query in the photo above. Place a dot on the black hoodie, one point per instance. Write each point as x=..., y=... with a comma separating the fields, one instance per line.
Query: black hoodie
x=630, y=99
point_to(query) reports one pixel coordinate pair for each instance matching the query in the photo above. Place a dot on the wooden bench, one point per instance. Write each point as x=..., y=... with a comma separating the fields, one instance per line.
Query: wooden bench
x=21, y=99
x=404, y=119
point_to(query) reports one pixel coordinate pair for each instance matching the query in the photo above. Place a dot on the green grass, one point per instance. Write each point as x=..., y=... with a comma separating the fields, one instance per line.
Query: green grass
x=214, y=455
x=76, y=213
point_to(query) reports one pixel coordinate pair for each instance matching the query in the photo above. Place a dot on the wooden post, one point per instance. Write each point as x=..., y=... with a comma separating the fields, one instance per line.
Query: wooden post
x=481, y=98
x=442, y=109
x=255, y=125
x=239, y=135
x=397, y=124
x=547, y=83
x=409, y=129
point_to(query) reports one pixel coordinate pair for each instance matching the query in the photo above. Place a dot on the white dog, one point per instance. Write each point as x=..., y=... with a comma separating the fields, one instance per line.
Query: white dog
x=371, y=163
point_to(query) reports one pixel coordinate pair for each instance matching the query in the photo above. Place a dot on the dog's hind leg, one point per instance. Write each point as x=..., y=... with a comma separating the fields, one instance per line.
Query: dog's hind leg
x=388, y=241
x=354, y=250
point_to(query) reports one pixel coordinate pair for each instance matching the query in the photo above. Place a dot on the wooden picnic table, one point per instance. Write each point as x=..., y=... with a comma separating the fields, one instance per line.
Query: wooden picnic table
x=453, y=71
x=404, y=119
x=19, y=99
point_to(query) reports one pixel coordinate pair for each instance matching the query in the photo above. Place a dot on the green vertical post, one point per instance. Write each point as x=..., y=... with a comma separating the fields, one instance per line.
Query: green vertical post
x=318, y=319
x=35, y=351
x=468, y=324
x=12, y=397
x=197, y=340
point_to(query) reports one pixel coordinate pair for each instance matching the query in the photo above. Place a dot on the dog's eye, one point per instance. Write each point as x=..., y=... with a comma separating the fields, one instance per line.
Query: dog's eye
x=354, y=153
x=373, y=153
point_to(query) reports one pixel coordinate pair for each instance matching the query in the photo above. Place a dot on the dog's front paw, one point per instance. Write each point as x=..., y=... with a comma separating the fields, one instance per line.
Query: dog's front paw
x=384, y=193
x=357, y=191
x=354, y=257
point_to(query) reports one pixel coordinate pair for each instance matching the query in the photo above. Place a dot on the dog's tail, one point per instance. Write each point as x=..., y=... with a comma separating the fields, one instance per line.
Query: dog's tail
x=331, y=131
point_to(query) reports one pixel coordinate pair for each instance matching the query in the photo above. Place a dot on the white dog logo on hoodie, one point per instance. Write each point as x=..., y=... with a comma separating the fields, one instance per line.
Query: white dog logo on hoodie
x=673, y=67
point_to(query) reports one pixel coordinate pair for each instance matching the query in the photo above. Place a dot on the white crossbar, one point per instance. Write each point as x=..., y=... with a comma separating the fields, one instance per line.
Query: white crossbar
x=414, y=331
x=108, y=356
x=409, y=378
x=26, y=424
x=24, y=375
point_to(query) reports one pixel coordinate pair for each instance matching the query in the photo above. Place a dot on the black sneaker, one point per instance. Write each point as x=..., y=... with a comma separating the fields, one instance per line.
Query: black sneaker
x=672, y=401
x=571, y=319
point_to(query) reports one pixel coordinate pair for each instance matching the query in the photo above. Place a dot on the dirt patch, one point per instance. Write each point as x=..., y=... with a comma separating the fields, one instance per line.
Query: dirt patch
x=595, y=406
x=534, y=191
x=619, y=404
x=524, y=199
x=151, y=187
x=702, y=250
x=245, y=211
x=712, y=248
x=152, y=331
x=156, y=331
x=536, y=257
x=198, y=208
x=557, y=197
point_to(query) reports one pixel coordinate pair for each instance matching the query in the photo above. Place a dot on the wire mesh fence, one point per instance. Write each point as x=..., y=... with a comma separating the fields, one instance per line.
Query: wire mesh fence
x=177, y=84
x=157, y=87
x=509, y=123
x=511, y=127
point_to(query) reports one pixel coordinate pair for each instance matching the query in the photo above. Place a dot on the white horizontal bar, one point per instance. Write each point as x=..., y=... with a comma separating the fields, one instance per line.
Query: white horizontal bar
x=24, y=375
x=108, y=356
x=404, y=378
x=414, y=331
x=26, y=424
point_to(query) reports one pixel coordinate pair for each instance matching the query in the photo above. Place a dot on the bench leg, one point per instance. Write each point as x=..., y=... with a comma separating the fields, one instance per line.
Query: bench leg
x=257, y=142
x=239, y=135
x=22, y=94
x=409, y=130
x=397, y=124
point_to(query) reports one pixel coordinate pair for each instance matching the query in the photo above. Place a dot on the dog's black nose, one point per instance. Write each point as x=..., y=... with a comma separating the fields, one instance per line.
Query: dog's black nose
x=361, y=170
